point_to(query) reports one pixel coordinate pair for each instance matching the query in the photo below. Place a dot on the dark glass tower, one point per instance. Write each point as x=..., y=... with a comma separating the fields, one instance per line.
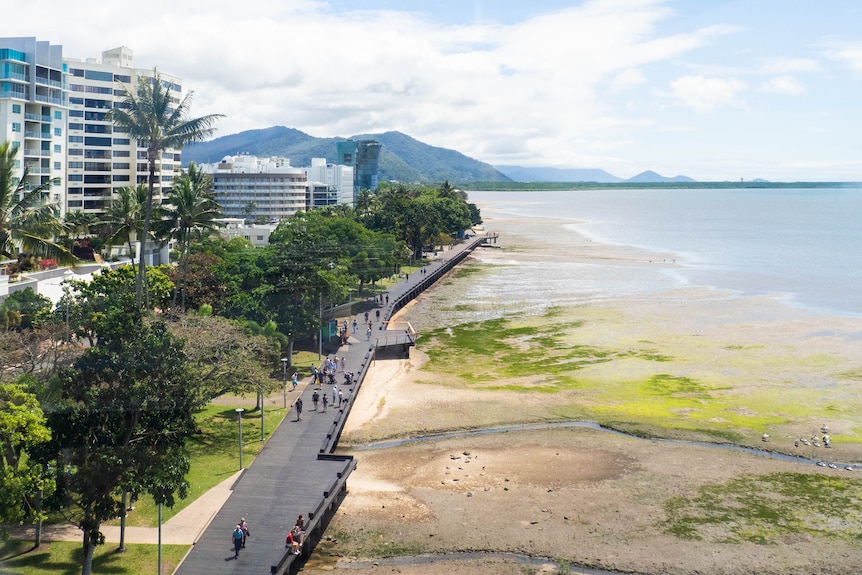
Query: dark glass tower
x=364, y=156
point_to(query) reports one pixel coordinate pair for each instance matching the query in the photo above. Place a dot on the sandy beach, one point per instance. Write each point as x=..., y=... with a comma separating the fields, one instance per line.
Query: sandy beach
x=530, y=500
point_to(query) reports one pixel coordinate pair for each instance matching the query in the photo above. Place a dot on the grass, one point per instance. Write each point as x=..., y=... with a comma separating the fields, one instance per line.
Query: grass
x=764, y=509
x=64, y=558
x=214, y=456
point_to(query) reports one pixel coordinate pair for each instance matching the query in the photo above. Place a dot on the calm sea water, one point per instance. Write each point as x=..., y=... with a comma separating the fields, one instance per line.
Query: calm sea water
x=802, y=244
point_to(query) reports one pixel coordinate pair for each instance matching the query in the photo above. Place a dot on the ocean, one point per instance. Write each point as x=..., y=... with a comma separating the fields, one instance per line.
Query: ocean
x=803, y=246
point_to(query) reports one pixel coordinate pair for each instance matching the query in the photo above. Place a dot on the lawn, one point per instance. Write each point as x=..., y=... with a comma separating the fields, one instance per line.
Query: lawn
x=64, y=558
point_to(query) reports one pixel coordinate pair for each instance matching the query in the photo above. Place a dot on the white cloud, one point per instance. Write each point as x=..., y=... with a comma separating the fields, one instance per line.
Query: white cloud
x=704, y=94
x=783, y=85
x=789, y=65
x=848, y=52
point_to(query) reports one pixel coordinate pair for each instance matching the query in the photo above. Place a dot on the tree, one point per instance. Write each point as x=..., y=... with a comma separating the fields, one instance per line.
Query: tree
x=152, y=116
x=28, y=221
x=121, y=422
x=188, y=208
x=22, y=481
x=79, y=222
x=223, y=357
x=124, y=219
x=29, y=304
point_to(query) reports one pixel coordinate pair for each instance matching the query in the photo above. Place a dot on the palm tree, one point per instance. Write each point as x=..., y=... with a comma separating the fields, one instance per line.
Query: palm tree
x=152, y=117
x=28, y=221
x=188, y=208
x=124, y=218
x=79, y=222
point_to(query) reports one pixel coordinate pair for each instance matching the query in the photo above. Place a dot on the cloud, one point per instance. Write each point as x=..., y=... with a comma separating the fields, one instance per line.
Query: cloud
x=704, y=94
x=789, y=65
x=782, y=85
x=849, y=53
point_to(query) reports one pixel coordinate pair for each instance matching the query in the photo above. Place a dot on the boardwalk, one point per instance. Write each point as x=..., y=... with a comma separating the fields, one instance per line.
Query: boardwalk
x=296, y=473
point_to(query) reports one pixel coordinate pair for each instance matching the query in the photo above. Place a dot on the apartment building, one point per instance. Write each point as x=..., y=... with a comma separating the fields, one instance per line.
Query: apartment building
x=100, y=157
x=33, y=107
x=364, y=157
x=259, y=189
x=333, y=183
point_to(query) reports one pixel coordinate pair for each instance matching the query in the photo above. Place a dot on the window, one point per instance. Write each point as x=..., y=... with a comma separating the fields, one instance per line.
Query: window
x=120, y=165
x=76, y=113
x=76, y=165
x=75, y=203
x=58, y=165
x=76, y=139
x=121, y=141
x=76, y=72
x=76, y=152
x=100, y=76
x=121, y=153
x=16, y=108
x=16, y=126
x=76, y=126
x=76, y=101
x=96, y=141
x=58, y=131
x=121, y=177
x=74, y=191
x=58, y=148
x=76, y=177
x=58, y=115
x=122, y=78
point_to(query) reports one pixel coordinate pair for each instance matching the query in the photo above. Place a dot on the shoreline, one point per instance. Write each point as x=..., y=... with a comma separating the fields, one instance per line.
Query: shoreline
x=535, y=492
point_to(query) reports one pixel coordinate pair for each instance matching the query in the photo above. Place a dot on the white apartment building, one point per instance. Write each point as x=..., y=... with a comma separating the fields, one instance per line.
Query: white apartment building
x=336, y=177
x=100, y=158
x=33, y=106
x=261, y=189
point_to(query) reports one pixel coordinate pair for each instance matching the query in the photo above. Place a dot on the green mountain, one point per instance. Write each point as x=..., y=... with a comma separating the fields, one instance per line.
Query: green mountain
x=402, y=158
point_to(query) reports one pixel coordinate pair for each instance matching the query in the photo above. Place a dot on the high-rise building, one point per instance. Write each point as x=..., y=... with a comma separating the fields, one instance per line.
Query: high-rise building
x=101, y=158
x=364, y=156
x=33, y=106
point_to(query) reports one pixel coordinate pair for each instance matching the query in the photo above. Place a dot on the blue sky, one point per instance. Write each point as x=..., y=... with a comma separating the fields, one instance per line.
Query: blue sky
x=716, y=90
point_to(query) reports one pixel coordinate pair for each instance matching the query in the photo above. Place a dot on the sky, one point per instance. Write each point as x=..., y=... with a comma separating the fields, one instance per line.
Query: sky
x=710, y=89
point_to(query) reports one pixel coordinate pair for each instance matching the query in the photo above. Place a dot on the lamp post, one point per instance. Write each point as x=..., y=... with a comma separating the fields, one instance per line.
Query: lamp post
x=239, y=410
x=284, y=378
x=262, y=402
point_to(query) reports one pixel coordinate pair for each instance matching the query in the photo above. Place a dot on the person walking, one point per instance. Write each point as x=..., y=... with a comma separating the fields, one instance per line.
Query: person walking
x=298, y=405
x=325, y=402
x=368, y=333
x=245, y=532
x=315, y=397
x=355, y=325
x=334, y=394
x=340, y=397
x=237, y=540
x=294, y=380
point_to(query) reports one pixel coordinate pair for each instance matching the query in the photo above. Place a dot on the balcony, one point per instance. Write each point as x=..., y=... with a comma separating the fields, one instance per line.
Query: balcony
x=48, y=100
x=36, y=117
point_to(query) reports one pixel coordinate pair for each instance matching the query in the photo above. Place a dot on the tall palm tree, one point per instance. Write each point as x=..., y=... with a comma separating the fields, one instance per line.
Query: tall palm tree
x=189, y=207
x=124, y=218
x=154, y=118
x=28, y=221
x=79, y=222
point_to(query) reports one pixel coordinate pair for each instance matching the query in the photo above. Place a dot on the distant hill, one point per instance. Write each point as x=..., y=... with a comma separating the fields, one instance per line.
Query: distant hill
x=537, y=175
x=402, y=158
x=650, y=177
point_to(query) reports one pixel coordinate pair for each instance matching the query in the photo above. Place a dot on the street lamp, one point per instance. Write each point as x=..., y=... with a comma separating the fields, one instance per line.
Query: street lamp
x=284, y=378
x=262, y=402
x=239, y=410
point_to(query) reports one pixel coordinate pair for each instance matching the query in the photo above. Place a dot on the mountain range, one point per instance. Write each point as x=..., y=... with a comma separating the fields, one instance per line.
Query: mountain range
x=402, y=159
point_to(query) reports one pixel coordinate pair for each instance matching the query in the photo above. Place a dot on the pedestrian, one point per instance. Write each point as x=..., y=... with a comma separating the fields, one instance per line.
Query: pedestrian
x=368, y=333
x=245, y=532
x=325, y=402
x=340, y=397
x=387, y=299
x=236, y=537
x=334, y=394
x=366, y=316
x=298, y=405
x=377, y=313
x=406, y=277
x=315, y=397
x=294, y=380
x=355, y=324
x=341, y=364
